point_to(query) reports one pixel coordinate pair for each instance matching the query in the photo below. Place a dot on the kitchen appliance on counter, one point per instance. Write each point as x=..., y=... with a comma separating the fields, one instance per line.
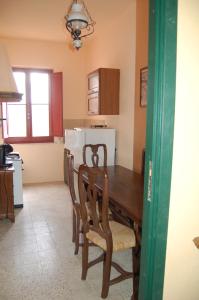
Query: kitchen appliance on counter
x=76, y=138
x=5, y=149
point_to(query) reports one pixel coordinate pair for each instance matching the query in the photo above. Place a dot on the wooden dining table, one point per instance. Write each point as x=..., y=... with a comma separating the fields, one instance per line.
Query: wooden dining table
x=126, y=203
x=126, y=192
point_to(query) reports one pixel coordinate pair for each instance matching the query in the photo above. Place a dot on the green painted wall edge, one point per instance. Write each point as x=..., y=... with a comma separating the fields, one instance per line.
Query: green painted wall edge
x=159, y=145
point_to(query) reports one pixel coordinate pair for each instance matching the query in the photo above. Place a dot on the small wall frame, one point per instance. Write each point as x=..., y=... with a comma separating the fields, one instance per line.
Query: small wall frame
x=143, y=86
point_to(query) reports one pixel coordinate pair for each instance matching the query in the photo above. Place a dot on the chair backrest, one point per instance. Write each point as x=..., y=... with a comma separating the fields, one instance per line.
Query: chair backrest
x=93, y=207
x=96, y=150
x=72, y=179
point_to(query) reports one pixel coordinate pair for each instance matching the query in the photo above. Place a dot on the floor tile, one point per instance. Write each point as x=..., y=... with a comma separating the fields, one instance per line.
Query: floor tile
x=37, y=260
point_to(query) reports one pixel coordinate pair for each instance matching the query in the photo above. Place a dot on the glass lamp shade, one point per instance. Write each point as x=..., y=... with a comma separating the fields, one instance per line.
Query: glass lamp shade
x=77, y=18
x=77, y=43
x=8, y=89
x=79, y=22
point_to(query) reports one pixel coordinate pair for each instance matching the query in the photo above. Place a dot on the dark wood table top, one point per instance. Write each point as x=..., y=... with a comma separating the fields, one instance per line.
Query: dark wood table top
x=126, y=191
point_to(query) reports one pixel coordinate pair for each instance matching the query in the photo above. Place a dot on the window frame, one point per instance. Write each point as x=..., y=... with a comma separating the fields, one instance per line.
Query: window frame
x=29, y=138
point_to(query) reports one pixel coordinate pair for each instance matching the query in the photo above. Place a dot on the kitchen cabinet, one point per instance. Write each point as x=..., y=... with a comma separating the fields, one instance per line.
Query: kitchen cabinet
x=103, y=92
x=6, y=194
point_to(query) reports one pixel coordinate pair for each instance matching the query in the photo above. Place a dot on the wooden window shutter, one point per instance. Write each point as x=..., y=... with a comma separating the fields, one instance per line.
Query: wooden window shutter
x=57, y=104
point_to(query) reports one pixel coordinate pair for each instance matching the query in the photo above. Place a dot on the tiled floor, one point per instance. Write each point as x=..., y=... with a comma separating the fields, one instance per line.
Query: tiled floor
x=36, y=252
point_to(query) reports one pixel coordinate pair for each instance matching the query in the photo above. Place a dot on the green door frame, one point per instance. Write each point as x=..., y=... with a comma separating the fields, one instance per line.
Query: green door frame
x=159, y=145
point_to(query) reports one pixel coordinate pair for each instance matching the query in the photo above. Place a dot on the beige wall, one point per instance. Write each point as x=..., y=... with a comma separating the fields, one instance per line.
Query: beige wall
x=110, y=46
x=182, y=260
x=142, y=13
x=56, y=56
x=114, y=47
x=44, y=162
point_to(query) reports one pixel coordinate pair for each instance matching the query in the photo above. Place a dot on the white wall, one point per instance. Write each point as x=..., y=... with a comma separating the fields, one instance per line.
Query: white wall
x=182, y=259
x=114, y=47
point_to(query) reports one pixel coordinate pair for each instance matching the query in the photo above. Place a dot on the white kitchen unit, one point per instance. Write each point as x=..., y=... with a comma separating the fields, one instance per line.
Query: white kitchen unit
x=76, y=138
x=17, y=182
x=17, y=179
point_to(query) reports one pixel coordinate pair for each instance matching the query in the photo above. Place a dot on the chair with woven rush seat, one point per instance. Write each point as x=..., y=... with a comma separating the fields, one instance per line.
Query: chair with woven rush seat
x=110, y=236
x=95, y=151
x=75, y=202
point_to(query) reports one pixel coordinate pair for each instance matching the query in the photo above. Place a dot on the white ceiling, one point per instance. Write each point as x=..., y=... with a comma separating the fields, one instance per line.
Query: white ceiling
x=44, y=19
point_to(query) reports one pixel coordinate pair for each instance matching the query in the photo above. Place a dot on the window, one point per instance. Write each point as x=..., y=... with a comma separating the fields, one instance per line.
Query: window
x=34, y=118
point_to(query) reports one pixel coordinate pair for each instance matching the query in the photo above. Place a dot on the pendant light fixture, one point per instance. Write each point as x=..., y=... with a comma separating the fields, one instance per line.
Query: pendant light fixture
x=79, y=22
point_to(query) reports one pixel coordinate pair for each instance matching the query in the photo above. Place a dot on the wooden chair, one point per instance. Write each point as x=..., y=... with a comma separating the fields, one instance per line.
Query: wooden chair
x=95, y=158
x=110, y=236
x=75, y=202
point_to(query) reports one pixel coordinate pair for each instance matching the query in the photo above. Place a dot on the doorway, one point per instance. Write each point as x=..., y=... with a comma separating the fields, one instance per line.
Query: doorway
x=159, y=145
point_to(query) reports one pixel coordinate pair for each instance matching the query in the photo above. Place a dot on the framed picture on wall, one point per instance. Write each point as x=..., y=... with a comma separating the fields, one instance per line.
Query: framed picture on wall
x=143, y=86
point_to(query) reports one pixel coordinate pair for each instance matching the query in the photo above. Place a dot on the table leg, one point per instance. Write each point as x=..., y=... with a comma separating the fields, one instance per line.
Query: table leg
x=136, y=262
x=136, y=271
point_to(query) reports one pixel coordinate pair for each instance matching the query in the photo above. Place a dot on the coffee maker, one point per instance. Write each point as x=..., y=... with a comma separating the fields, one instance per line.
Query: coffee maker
x=5, y=149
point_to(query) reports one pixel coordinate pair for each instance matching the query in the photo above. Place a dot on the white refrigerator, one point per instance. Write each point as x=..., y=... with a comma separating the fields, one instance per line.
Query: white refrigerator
x=76, y=138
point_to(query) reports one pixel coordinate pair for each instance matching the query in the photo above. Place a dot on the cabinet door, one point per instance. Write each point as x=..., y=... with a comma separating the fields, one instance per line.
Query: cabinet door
x=93, y=83
x=103, y=92
x=109, y=91
x=93, y=104
x=6, y=195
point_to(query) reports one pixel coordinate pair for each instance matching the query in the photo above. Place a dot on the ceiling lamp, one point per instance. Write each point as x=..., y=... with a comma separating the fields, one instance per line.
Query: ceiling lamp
x=79, y=22
x=8, y=89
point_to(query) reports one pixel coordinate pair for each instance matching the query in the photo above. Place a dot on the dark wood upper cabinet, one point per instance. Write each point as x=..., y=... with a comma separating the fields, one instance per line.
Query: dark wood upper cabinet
x=103, y=92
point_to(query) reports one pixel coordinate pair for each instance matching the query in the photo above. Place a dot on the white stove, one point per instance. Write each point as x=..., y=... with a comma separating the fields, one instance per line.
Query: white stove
x=17, y=180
